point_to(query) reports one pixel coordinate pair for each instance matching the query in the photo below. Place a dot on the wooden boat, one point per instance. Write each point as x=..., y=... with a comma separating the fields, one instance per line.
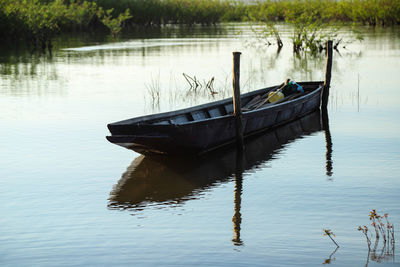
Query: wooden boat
x=205, y=127
x=163, y=181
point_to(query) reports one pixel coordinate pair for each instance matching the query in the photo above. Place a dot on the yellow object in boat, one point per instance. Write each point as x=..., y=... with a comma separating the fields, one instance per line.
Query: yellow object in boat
x=273, y=96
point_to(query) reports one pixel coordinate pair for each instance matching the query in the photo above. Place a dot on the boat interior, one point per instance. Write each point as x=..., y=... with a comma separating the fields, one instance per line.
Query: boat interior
x=249, y=102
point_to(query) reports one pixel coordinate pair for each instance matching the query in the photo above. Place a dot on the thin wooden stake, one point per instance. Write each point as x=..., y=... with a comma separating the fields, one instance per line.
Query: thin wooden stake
x=327, y=83
x=237, y=111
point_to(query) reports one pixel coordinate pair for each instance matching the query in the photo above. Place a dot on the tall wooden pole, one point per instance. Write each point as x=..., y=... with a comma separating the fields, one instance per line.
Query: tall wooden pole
x=327, y=83
x=237, y=110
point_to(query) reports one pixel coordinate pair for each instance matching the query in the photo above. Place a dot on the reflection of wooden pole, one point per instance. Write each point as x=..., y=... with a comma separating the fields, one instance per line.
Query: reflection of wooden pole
x=237, y=110
x=237, y=217
x=328, y=140
x=327, y=83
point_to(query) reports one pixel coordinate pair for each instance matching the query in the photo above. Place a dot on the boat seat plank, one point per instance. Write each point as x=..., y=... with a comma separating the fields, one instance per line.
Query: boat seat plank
x=198, y=115
x=179, y=119
x=165, y=122
x=228, y=108
x=215, y=112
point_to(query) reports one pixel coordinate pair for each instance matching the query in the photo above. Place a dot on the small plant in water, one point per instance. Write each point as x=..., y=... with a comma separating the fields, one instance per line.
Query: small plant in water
x=383, y=228
x=195, y=83
x=154, y=91
x=364, y=230
x=329, y=233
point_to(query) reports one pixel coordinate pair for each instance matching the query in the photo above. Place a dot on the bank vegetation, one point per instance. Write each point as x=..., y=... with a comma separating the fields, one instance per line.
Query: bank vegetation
x=37, y=21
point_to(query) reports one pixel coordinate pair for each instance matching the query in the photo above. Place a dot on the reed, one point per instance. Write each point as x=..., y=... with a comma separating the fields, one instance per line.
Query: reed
x=154, y=91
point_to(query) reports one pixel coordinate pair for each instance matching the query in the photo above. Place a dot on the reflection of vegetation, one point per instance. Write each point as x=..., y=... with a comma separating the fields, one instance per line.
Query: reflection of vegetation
x=329, y=260
x=31, y=78
x=304, y=66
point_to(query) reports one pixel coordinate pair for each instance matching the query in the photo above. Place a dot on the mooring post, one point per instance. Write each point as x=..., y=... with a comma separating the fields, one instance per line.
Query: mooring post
x=328, y=70
x=237, y=110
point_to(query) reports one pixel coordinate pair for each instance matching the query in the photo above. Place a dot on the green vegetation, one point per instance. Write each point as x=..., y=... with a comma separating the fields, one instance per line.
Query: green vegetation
x=39, y=20
x=114, y=24
x=372, y=12
x=316, y=21
x=161, y=12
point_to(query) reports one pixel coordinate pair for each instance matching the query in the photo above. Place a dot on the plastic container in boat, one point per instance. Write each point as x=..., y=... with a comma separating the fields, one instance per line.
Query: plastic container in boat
x=273, y=96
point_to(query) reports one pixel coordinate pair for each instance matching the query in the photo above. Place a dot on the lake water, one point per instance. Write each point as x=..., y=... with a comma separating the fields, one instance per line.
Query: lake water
x=70, y=198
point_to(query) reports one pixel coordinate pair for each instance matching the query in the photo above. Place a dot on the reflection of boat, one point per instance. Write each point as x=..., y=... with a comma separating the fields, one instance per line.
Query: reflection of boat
x=165, y=180
x=205, y=127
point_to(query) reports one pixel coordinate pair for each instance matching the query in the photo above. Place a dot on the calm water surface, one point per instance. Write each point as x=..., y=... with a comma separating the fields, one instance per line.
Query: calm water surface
x=70, y=198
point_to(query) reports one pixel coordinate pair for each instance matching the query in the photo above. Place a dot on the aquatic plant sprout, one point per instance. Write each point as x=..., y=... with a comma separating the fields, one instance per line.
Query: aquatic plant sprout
x=329, y=233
